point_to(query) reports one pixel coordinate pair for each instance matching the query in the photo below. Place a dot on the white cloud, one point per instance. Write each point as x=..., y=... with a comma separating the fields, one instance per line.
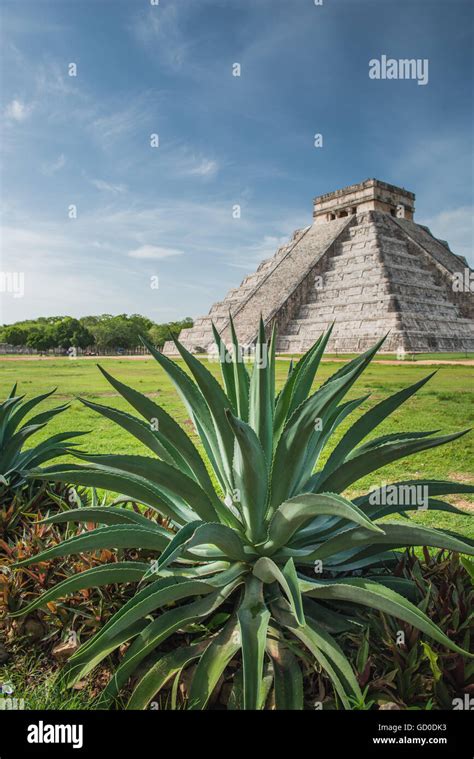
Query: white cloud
x=108, y=187
x=54, y=166
x=204, y=168
x=18, y=111
x=154, y=252
x=114, y=124
x=159, y=31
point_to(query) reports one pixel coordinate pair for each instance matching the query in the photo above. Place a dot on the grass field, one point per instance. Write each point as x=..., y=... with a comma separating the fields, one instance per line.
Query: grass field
x=445, y=403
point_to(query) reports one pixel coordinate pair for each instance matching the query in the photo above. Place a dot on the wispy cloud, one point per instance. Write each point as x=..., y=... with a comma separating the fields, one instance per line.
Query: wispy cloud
x=17, y=110
x=203, y=168
x=154, y=252
x=53, y=166
x=116, y=189
x=114, y=123
x=158, y=29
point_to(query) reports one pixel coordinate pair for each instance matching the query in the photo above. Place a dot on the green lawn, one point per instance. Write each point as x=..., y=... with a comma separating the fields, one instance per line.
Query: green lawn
x=393, y=356
x=446, y=404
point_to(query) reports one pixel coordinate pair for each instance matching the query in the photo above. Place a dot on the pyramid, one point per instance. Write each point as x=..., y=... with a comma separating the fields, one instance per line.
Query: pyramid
x=363, y=264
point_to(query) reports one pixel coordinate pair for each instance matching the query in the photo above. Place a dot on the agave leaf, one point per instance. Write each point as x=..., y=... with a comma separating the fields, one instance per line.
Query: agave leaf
x=236, y=697
x=406, y=588
x=253, y=618
x=434, y=488
x=73, y=670
x=287, y=673
x=158, y=631
x=115, y=536
x=393, y=437
x=141, y=431
x=107, y=574
x=331, y=620
x=377, y=512
x=394, y=535
x=217, y=402
x=306, y=370
x=212, y=664
x=296, y=512
x=241, y=377
x=227, y=370
x=369, y=421
x=289, y=459
x=126, y=619
x=15, y=417
x=376, y=596
x=6, y=408
x=13, y=390
x=468, y=566
x=12, y=447
x=44, y=416
x=371, y=557
x=332, y=659
x=197, y=409
x=369, y=461
x=137, y=488
x=358, y=364
x=159, y=674
x=120, y=620
x=284, y=408
x=268, y=572
x=180, y=447
x=163, y=591
x=174, y=483
x=196, y=534
x=260, y=398
x=45, y=451
x=327, y=652
x=105, y=515
x=250, y=476
x=319, y=439
x=272, y=370
x=178, y=545
x=102, y=639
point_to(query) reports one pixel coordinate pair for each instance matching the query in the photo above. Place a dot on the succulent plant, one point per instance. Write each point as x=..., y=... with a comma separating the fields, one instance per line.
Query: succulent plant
x=15, y=459
x=255, y=545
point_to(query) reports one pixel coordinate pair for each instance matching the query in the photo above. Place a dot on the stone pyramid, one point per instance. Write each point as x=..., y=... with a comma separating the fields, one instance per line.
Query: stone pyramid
x=363, y=264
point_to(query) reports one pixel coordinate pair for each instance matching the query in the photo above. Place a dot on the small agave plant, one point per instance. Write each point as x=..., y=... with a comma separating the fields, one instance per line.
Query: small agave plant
x=241, y=548
x=15, y=459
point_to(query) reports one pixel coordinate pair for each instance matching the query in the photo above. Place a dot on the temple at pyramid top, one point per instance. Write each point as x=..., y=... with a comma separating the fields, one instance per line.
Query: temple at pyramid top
x=371, y=195
x=363, y=265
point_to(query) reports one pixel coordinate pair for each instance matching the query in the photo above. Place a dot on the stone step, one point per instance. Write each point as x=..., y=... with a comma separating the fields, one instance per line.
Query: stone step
x=429, y=324
x=367, y=291
x=374, y=272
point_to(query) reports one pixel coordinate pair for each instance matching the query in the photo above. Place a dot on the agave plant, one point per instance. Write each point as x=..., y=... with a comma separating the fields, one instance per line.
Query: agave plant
x=15, y=461
x=265, y=537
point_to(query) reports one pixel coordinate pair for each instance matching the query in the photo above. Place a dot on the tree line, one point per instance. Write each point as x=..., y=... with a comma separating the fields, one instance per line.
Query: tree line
x=95, y=332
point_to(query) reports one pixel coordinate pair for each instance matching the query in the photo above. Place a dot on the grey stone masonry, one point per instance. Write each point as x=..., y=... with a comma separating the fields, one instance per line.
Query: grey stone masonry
x=370, y=271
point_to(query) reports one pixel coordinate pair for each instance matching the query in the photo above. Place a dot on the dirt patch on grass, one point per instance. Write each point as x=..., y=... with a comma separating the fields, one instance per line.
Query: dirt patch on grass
x=461, y=477
x=461, y=503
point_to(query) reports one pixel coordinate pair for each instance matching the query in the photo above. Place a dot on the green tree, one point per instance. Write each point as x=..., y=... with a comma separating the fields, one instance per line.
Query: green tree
x=70, y=332
x=14, y=335
x=41, y=339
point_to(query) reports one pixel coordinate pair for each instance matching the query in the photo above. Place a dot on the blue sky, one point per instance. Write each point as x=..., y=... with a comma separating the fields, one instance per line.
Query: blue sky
x=166, y=69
